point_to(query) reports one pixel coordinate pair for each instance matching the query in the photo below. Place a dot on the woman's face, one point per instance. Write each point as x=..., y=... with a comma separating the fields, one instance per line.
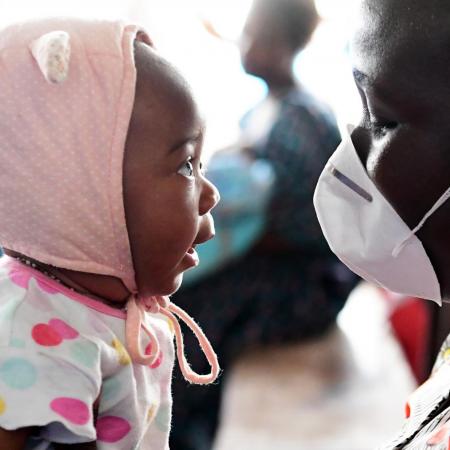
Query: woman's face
x=401, y=57
x=167, y=198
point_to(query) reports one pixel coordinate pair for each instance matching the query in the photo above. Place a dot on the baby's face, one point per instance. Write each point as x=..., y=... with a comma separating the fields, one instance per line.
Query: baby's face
x=401, y=58
x=167, y=198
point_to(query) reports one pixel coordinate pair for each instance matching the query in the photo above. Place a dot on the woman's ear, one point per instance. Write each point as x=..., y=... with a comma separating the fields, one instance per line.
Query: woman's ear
x=52, y=54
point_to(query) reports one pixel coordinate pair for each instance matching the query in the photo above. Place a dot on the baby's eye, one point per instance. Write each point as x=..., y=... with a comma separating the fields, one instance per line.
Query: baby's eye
x=187, y=169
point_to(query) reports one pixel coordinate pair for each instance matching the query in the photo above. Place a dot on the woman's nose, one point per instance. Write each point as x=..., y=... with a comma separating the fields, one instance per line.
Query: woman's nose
x=210, y=197
x=362, y=142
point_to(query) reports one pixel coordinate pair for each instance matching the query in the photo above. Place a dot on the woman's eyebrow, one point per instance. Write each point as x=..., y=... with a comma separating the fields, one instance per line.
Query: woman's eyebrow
x=382, y=91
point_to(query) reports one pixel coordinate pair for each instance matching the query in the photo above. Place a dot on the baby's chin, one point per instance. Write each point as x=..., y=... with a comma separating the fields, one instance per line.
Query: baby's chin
x=163, y=288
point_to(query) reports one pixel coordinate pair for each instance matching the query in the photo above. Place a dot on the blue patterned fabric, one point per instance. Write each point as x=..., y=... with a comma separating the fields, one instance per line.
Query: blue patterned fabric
x=298, y=146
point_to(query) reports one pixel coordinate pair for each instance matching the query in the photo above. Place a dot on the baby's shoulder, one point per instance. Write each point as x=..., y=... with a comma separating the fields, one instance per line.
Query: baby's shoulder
x=35, y=307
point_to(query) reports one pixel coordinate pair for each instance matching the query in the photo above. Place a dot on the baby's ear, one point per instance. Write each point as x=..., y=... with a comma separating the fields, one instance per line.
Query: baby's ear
x=52, y=53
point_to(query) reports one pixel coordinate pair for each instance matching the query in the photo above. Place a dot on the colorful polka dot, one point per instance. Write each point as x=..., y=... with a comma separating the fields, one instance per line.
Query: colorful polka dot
x=45, y=335
x=407, y=411
x=162, y=419
x=71, y=409
x=447, y=355
x=20, y=278
x=151, y=413
x=112, y=428
x=171, y=326
x=124, y=357
x=17, y=342
x=2, y=406
x=84, y=353
x=53, y=333
x=18, y=373
x=158, y=361
x=63, y=329
x=110, y=388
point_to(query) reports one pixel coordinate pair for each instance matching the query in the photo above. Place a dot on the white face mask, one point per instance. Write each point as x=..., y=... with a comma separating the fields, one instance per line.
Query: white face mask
x=366, y=233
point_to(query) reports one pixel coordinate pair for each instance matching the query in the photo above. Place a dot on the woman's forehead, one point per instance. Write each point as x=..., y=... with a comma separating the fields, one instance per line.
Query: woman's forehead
x=403, y=43
x=406, y=25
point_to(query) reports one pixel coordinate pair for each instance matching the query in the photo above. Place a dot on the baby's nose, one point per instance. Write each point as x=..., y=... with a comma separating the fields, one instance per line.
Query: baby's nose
x=210, y=197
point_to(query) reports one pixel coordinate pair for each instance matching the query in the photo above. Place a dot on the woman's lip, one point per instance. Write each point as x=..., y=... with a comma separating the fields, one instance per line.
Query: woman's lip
x=192, y=257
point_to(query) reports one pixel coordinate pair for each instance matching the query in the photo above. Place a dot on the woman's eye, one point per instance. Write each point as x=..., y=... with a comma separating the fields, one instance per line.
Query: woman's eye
x=381, y=127
x=187, y=169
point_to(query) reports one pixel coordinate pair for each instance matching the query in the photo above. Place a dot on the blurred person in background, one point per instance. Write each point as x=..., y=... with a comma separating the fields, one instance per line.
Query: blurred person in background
x=288, y=286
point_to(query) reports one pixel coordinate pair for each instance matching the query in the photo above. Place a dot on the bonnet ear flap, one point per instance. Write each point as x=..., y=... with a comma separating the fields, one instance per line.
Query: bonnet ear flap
x=52, y=53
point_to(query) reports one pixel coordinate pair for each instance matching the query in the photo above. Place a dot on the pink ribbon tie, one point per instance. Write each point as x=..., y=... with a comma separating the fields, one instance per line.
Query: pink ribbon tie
x=136, y=309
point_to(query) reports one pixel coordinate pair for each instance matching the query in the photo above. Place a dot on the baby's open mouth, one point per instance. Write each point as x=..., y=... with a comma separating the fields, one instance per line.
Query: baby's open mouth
x=193, y=256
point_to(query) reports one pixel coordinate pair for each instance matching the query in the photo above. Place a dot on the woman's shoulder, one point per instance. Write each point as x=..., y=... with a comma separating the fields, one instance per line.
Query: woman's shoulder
x=427, y=421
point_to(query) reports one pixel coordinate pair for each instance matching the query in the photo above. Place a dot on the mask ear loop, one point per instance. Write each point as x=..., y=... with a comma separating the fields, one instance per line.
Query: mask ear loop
x=445, y=196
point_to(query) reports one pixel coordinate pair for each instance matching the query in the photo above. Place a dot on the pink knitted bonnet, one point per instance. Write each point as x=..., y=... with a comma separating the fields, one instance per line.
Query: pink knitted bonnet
x=66, y=96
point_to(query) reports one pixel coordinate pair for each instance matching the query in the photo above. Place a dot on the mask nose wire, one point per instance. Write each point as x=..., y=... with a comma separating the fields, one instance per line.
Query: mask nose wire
x=444, y=197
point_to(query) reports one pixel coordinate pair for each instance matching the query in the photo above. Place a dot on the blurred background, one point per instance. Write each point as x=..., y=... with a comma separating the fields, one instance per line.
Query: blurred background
x=178, y=30
x=342, y=388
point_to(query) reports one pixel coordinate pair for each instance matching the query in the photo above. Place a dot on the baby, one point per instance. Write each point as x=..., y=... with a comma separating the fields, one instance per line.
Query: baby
x=103, y=201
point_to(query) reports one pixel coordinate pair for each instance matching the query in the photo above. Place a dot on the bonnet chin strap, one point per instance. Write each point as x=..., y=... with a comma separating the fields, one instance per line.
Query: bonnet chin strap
x=136, y=308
